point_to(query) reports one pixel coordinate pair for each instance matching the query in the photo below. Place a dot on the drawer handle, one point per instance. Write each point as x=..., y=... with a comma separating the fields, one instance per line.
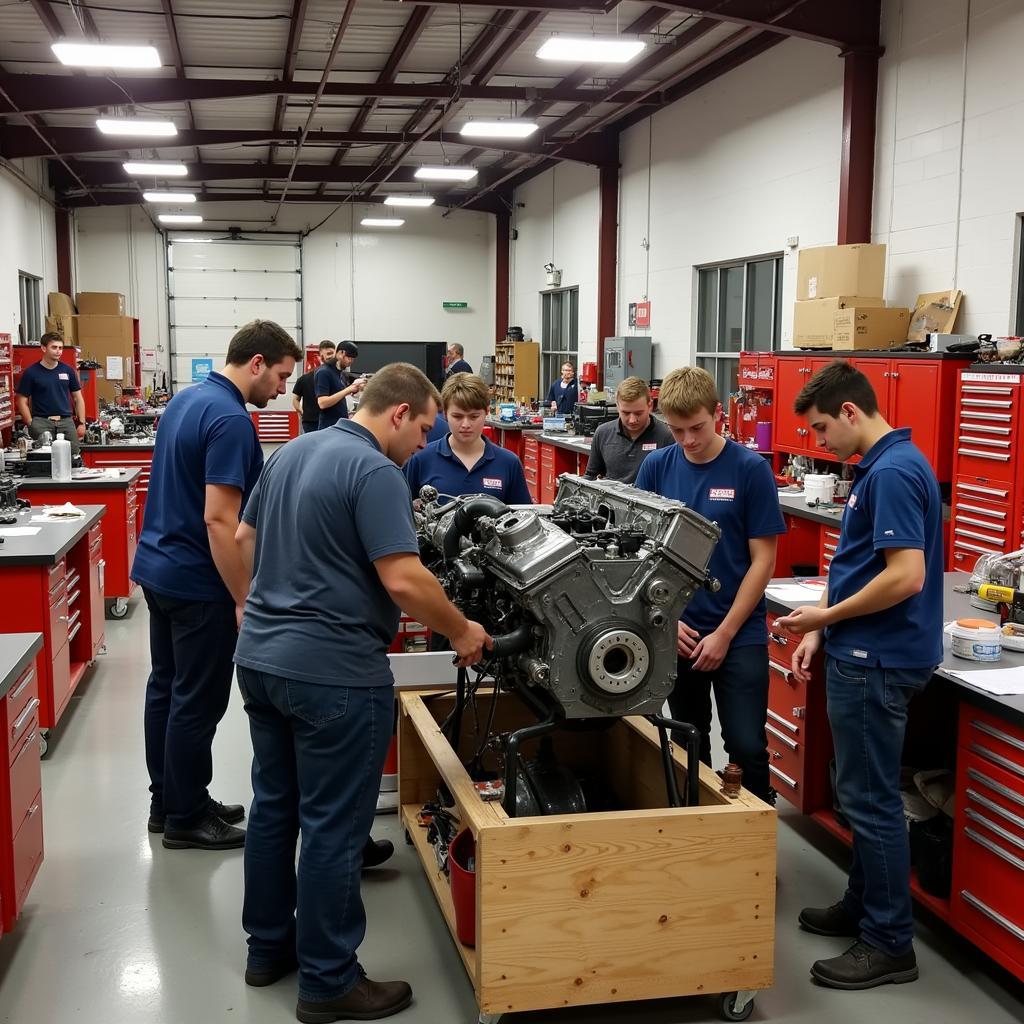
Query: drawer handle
x=19, y=724
x=792, y=744
x=977, y=489
x=981, y=511
x=990, y=846
x=27, y=746
x=997, y=734
x=778, y=638
x=74, y=632
x=785, y=778
x=32, y=810
x=781, y=721
x=979, y=550
x=28, y=677
x=830, y=547
x=996, y=787
x=983, y=455
x=784, y=672
x=991, y=805
x=992, y=915
x=978, y=522
x=961, y=532
x=1003, y=762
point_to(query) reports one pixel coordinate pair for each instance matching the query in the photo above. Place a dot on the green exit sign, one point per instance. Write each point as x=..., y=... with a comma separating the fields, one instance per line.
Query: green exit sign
x=455, y=305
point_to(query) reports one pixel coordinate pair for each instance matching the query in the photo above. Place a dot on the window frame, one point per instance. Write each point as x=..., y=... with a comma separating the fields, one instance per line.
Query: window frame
x=566, y=333
x=31, y=325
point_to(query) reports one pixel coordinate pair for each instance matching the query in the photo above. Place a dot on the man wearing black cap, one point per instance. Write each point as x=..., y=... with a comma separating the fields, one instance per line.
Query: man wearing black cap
x=333, y=384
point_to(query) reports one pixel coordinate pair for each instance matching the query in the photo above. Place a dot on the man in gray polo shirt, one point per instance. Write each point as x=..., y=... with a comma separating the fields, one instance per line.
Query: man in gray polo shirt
x=619, y=446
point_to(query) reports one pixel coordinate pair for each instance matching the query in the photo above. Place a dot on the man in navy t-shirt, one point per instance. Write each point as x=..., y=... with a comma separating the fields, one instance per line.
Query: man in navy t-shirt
x=206, y=462
x=881, y=622
x=333, y=384
x=46, y=393
x=456, y=361
x=314, y=674
x=464, y=461
x=304, y=400
x=723, y=636
x=564, y=393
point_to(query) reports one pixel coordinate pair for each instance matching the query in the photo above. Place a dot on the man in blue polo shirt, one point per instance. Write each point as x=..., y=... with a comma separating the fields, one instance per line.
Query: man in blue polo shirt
x=564, y=393
x=333, y=384
x=881, y=619
x=206, y=462
x=46, y=392
x=723, y=636
x=466, y=462
x=456, y=361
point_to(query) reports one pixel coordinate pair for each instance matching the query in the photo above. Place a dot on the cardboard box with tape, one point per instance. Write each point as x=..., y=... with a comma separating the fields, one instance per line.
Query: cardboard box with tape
x=814, y=319
x=64, y=325
x=101, y=303
x=827, y=271
x=59, y=304
x=870, y=327
x=109, y=340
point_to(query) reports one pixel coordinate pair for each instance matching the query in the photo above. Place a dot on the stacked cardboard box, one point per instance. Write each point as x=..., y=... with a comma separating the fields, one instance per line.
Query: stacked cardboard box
x=839, y=303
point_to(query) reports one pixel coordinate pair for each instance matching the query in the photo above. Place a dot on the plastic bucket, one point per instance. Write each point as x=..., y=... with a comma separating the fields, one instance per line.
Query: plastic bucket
x=463, y=882
x=975, y=639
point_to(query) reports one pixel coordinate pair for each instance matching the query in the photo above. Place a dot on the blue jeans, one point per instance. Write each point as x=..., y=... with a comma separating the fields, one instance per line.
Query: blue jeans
x=191, y=644
x=741, y=695
x=867, y=709
x=318, y=754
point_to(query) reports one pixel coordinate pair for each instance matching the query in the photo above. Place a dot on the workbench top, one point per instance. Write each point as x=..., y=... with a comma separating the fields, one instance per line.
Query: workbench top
x=53, y=541
x=125, y=476
x=16, y=653
x=491, y=421
x=121, y=446
x=793, y=502
x=955, y=606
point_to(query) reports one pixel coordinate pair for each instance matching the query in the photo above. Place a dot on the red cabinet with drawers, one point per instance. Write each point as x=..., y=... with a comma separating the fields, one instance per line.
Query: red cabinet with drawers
x=531, y=466
x=138, y=457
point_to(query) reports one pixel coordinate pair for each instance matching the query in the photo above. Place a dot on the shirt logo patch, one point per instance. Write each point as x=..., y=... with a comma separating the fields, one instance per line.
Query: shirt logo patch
x=492, y=481
x=650, y=447
x=852, y=503
x=722, y=493
x=890, y=533
x=62, y=376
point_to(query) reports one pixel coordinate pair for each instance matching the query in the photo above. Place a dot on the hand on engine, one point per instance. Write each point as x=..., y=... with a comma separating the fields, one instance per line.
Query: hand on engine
x=470, y=643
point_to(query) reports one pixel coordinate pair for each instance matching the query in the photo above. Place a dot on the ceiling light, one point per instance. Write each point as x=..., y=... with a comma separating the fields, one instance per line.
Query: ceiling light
x=409, y=201
x=446, y=173
x=132, y=126
x=382, y=222
x=498, y=129
x=601, y=49
x=180, y=218
x=192, y=241
x=169, y=197
x=155, y=169
x=103, y=55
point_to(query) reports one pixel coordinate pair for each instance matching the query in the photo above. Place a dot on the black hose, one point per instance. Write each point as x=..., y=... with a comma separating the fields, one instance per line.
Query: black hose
x=508, y=644
x=465, y=517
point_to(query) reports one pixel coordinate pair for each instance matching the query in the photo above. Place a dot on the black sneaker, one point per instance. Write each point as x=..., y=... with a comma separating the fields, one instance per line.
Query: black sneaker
x=260, y=977
x=375, y=852
x=864, y=966
x=209, y=834
x=230, y=813
x=834, y=920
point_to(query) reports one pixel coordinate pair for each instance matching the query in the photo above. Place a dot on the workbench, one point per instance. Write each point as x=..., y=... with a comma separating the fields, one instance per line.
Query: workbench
x=52, y=583
x=957, y=726
x=21, y=800
x=120, y=526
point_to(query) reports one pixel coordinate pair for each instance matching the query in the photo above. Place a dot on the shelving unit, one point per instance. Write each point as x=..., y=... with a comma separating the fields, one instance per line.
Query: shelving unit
x=6, y=382
x=517, y=371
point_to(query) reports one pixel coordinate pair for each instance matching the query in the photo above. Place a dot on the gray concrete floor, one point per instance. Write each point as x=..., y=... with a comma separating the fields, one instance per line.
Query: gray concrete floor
x=117, y=929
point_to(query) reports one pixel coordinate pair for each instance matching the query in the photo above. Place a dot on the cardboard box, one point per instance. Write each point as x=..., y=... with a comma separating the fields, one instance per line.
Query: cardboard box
x=65, y=326
x=104, y=338
x=871, y=327
x=814, y=319
x=101, y=303
x=934, y=312
x=831, y=270
x=59, y=304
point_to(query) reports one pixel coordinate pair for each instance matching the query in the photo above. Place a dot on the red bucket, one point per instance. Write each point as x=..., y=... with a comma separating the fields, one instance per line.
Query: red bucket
x=463, y=883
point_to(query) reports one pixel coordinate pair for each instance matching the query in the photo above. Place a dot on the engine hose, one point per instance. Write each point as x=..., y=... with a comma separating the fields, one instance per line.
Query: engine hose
x=465, y=517
x=512, y=643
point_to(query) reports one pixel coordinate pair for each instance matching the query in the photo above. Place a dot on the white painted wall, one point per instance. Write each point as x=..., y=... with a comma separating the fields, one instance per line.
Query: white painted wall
x=27, y=238
x=357, y=282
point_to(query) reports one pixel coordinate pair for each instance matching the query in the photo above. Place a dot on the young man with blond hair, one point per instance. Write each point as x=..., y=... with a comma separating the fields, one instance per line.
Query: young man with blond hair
x=464, y=461
x=619, y=446
x=723, y=636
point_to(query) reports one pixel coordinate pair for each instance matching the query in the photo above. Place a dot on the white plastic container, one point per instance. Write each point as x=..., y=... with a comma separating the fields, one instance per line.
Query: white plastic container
x=975, y=639
x=819, y=488
x=60, y=459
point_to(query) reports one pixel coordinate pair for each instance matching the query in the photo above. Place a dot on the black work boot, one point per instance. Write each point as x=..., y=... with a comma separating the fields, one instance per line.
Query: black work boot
x=865, y=966
x=208, y=834
x=368, y=1000
x=230, y=813
x=260, y=977
x=834, y=920
x=375, y=852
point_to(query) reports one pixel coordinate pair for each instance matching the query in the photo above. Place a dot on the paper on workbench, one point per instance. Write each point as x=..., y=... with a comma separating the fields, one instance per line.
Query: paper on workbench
x=1003, y=682
x=58, y=513
x=795, y=591
x=19, y=531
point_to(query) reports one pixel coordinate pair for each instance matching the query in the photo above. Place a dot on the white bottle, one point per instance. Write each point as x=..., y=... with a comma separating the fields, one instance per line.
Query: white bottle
x=60, y=466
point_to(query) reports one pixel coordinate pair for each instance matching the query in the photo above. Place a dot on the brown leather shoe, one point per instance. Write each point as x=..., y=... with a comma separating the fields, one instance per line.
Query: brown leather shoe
x=368, y=1000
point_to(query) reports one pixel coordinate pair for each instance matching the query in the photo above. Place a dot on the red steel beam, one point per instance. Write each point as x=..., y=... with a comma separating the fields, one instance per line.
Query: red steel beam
x=607, y=255
x=62, y=225
x=502, y=223
x=857, y=164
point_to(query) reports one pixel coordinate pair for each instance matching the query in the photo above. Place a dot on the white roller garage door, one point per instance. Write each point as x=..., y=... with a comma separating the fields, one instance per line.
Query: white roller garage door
x=214, y=287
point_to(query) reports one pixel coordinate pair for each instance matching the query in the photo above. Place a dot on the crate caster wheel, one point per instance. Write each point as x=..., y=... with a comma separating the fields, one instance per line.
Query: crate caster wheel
x=44, y=742
x=488, y=1018
x=119, y=609
x=408, y=837
x=736, y=1005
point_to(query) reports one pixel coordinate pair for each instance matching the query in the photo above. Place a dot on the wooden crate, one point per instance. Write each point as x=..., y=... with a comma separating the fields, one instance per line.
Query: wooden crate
x=604, y=907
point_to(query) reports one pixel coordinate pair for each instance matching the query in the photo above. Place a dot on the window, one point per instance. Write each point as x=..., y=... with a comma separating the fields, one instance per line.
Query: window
x=1020, y=275
x=31, y=326
x=739, y=309
x=560, y=332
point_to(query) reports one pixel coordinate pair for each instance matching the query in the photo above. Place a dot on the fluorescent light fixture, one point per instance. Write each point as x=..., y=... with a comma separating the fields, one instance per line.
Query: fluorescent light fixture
x=134, y=126
x=600, y=49
x=180, y=218
x=155, y=169
x=445, y=173
x=498, y=129
x=382, y=222
x=169, y=197
x=195, y=241
x=409, y=201
x=104, y=55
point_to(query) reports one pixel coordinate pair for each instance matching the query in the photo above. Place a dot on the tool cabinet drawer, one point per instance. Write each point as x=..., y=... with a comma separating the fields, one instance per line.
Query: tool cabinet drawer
x=21, y=692
x=26, y=775
x=28, y=851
